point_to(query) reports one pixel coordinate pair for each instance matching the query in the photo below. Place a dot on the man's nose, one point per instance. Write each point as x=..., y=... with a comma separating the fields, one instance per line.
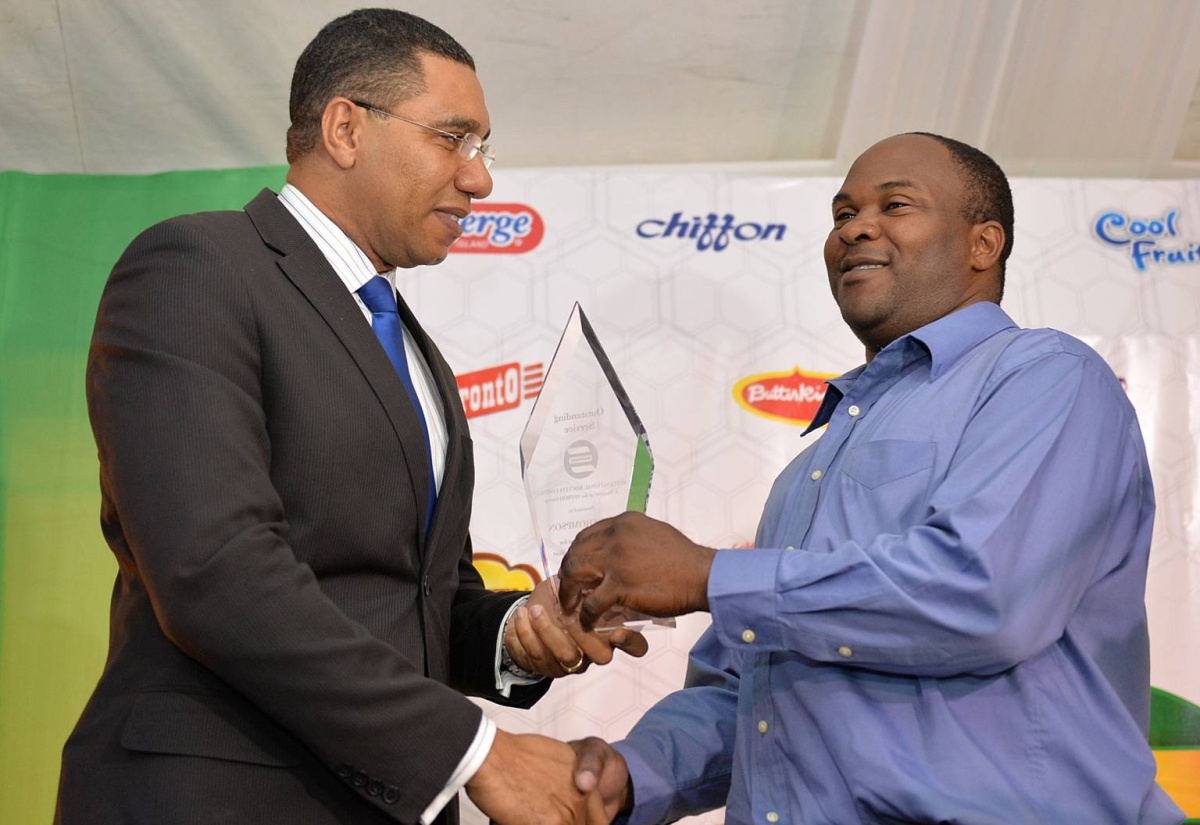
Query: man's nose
x=859, y=228
x=475, y=179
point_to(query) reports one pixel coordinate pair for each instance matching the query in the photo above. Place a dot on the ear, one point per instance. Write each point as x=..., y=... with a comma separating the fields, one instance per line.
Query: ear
x=987, y=244
x=341, y=124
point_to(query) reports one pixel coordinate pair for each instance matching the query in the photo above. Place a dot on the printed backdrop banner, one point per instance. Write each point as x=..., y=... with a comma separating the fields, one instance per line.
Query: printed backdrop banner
x=707, y=290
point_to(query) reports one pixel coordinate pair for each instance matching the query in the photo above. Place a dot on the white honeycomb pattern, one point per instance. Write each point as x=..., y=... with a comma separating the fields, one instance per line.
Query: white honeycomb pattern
x=682, y=326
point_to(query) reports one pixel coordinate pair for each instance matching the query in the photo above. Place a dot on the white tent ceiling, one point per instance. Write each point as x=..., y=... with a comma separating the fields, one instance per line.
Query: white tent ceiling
x=1080, y=88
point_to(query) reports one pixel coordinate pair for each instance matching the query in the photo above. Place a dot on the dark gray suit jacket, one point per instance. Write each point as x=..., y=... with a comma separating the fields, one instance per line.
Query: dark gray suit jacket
x=287, y=643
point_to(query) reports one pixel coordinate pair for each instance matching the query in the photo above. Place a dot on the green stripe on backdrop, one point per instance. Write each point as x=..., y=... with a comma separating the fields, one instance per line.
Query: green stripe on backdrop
x=59, y=236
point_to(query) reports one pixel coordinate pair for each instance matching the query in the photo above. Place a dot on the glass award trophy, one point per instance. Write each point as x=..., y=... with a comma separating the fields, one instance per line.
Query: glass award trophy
x=584, y=452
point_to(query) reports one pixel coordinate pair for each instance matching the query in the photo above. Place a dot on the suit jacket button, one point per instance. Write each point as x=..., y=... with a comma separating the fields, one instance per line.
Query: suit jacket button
x=428, y=588
x=345, y=770
x=360, y=779
x=391, y=794
x=374, y=787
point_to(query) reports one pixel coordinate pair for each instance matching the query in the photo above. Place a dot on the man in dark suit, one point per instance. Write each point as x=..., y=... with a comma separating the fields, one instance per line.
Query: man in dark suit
x=287, y=491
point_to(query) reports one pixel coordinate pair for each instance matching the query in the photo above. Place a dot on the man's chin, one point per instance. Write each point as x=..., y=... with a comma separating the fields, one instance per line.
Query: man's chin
x=859, y=318
x=431, y=257
x=864, y=325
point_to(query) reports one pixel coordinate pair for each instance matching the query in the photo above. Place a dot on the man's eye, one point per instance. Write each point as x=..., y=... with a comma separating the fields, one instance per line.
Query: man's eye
x=896, y=204
x=843, y=215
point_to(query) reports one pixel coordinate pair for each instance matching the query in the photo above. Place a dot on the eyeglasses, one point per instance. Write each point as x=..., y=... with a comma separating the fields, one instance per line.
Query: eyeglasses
x=469, y=145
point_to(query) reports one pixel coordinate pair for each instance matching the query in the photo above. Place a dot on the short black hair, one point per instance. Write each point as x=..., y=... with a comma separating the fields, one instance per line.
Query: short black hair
x=368, y=54
x=987, y=196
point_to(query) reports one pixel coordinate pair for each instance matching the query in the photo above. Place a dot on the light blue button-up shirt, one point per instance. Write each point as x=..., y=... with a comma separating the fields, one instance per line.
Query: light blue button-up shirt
x=943, y=620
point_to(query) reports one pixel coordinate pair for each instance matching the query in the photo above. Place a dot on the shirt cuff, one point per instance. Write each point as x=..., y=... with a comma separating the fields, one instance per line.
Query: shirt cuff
x=467, y=767
x=743, y=599
x=508, y=672
x=652, y=790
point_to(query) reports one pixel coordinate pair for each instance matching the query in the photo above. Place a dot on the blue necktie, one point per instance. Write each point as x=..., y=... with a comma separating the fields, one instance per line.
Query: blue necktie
x=377, y=294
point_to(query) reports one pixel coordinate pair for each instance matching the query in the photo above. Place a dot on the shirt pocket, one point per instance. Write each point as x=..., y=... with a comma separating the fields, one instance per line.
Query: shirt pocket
x=875, y=463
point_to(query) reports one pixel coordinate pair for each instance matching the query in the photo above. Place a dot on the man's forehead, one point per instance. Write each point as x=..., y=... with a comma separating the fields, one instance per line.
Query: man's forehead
x=908, y=155
x=880, y=188
x=903, y=161
x=453, y=96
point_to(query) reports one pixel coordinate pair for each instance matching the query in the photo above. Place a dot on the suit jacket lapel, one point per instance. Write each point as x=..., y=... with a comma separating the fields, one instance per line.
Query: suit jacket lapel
x=305, y=266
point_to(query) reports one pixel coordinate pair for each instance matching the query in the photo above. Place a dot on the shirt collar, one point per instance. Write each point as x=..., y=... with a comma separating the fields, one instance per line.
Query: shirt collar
x=952, y=336
x=946, y=340
x=348, y=260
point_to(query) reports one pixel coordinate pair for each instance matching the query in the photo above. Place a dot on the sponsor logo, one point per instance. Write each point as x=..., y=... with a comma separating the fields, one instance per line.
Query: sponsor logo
x=792, y=397
x=712, y=231
x=498, y=574
x=500, y=228
x=1153, y=241
x=496, y=389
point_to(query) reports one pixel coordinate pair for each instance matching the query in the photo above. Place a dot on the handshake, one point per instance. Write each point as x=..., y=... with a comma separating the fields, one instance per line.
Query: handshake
x=529, y=779
x=630, y=561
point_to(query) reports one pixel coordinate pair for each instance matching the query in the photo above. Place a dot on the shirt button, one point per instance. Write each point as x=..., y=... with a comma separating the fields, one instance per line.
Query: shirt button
x=854, y=411
x=845, y=652
x=762, y=726
x=772, y=816
x=789, y=547
x=816, y=475
x=747, y=636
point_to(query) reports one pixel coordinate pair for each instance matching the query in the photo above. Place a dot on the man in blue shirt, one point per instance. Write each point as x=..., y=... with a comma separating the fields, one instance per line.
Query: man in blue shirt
x=943, y=619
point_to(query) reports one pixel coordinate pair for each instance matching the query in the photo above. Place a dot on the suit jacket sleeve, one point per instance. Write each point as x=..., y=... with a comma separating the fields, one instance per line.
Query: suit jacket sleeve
x=478, y=611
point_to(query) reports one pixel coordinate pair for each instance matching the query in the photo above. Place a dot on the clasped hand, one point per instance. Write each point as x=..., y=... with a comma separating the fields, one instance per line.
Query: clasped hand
x=635, y=562
x=542, y=640
x=528, y=779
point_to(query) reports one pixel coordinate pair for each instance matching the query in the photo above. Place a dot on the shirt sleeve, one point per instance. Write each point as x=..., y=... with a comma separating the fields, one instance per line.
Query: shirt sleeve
x=1046, y=493
x=680, y=753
